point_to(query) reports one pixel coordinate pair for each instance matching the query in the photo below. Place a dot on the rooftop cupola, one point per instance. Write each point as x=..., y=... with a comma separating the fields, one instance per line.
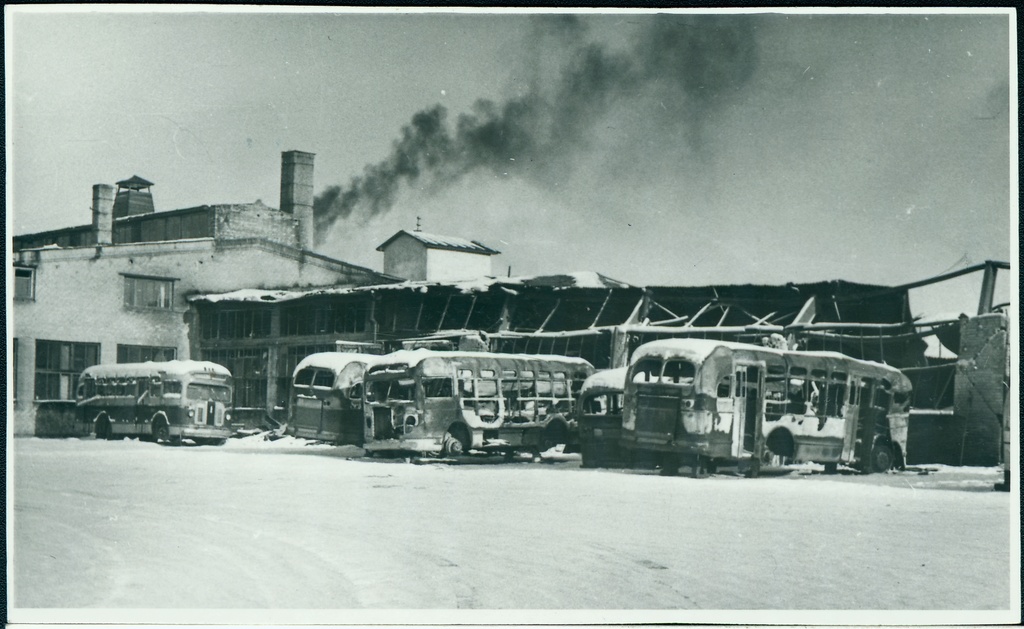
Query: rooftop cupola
x=133, y=197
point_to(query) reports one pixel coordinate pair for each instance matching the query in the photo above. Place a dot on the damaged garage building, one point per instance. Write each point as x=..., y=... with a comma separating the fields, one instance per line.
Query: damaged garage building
x=164, y=285
x=261, y=335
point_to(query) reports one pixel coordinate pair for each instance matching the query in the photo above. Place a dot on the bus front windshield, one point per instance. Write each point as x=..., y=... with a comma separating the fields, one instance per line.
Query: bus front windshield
x=208, y=393
x=385, y=390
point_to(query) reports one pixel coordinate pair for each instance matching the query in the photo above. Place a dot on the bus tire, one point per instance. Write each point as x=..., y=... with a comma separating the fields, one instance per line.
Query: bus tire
x=161, y=430
x=831, y=468
x=455, y=442
x=103, y=430
x=554, y=433
x=588, y=455
x=669, y=464
x=881, y=458
x=755, y=469
x=752, y=469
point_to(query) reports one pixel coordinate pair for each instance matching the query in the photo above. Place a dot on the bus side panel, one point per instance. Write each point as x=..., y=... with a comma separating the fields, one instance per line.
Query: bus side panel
x=346, y=423
x=121, y=412
x=307, y=414
x=818, y=438
x=656, y=414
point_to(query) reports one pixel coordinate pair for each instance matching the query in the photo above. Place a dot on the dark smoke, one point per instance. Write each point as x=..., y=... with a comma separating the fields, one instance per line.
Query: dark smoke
x=692, y=65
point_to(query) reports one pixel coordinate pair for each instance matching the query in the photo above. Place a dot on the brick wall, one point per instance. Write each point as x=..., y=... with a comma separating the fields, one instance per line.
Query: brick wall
x=255, y=220
x=59, y=419
x=981, y=386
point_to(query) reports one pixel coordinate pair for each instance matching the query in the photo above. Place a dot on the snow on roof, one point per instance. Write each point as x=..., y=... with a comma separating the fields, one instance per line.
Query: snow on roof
x=251, y=294
x=697, y=350
x=150, y=368
x=412, y=357
x=607, y=379
x=580, y=279
x=335, y=361
x=694, y=350
x=435, y=241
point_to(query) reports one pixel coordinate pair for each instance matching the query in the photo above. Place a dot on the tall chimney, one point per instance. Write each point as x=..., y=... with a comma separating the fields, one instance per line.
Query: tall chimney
x=297, y=193
x=103, y=213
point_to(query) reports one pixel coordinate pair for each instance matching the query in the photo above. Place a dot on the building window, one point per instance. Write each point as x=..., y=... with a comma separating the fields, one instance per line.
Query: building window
x=24, y=283
x=235, y=324
x=323, y=319
x=142, y=353
x=248, y=369
x=288, y=359
x=148, y=292
x=58, y=365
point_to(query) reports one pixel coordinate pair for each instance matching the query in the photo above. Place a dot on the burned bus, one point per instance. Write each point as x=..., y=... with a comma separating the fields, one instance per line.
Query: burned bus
x=449, y=403
x=326, y=401
x=703, y=403
x=599, y=418
x=163, y=401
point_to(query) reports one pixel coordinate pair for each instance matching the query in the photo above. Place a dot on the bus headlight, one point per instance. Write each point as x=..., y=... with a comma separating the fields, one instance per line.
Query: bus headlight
x=191, y=412
x=227, y=416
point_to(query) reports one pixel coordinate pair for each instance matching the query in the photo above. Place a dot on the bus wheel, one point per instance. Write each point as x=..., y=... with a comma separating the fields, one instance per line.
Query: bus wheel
x=454, y=443
x=669, y=464
x=161, y=432
x=753, y=469
x=103, y=429
x=881, y=458
x=588, y=456
x=831, y=468
x=554, y=434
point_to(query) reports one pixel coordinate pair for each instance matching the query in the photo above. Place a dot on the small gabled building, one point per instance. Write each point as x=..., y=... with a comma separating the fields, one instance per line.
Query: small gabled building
x=419, y=256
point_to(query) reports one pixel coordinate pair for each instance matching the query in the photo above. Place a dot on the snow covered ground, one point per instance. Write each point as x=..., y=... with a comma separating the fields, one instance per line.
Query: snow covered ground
x=285, y=526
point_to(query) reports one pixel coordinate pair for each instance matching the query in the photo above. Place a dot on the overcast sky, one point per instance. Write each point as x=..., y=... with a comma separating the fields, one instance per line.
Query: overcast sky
x=686, y=149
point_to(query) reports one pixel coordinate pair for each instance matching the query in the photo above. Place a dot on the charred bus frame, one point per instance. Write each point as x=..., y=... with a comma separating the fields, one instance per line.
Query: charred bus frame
x=704, y=403
x=452, y=402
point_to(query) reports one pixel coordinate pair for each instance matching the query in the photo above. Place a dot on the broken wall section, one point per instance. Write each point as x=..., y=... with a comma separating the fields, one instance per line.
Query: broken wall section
x=982, y=384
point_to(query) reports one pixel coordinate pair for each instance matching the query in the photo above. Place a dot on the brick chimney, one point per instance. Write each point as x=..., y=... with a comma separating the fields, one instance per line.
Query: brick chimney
x=297, y=193
x=103, y=213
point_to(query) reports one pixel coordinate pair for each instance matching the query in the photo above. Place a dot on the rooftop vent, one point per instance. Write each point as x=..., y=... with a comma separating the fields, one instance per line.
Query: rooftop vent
x=133, y=197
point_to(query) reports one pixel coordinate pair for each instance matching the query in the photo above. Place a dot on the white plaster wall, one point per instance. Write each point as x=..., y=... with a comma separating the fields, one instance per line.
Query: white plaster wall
x=444, y=265
x=406, y=257
x=79, y=297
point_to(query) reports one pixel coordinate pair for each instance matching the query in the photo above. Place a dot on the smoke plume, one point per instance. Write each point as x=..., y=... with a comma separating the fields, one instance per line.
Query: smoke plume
x=689, y=65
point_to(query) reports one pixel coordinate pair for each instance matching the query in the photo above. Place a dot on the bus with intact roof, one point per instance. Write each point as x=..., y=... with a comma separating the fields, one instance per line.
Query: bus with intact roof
x=326, y=397
x=163, y=401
